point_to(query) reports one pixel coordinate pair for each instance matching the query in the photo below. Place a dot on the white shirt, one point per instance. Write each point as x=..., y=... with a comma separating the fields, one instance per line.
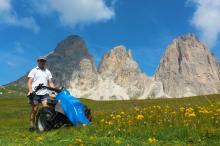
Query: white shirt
x=40, y=76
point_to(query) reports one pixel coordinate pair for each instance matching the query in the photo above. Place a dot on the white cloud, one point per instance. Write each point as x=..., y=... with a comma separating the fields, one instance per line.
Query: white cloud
x=5, y=5
x=207, y=19
x=11, y=64
x=8, y=16
x=74, y=12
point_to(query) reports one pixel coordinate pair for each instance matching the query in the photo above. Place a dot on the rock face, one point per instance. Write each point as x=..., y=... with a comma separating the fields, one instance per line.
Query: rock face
x=86, y=78
x=119, y=78
x=64, y=62
x=119, y=66
x=188, y=68
x=87, y=75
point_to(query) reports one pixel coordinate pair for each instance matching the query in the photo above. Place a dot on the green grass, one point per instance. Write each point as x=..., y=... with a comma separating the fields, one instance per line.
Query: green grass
x=172, y=122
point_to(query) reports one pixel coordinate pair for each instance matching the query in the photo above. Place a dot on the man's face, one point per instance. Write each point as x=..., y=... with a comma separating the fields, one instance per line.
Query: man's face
x=41, y=63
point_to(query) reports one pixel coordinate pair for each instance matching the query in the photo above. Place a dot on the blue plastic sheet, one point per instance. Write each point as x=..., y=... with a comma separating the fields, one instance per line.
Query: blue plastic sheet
x=73, y=108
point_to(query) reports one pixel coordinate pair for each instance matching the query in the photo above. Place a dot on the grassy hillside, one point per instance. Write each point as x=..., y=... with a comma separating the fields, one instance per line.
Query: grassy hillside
x=160, y=122
x=12, y=90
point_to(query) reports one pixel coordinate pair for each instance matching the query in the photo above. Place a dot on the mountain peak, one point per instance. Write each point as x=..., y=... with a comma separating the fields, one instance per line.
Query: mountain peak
x=119, y=66
x=120, y=51
x=70, y=40
x=119, y=48
x=64, y=62
x=118, y=57
x=71, y=46
x=188, y=36
x=188, y=68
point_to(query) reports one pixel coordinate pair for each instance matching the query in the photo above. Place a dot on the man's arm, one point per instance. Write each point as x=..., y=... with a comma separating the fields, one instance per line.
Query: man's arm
x=51, y=84
x=29, y=84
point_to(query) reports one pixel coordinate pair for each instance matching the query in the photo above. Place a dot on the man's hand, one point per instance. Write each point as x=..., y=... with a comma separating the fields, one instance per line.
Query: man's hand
x=29, y=93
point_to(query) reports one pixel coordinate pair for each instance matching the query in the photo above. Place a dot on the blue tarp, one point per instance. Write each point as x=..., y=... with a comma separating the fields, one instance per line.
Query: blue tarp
x=73, y=108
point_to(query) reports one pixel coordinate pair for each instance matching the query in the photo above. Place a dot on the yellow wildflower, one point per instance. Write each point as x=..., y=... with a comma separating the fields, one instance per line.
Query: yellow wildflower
x=152, y=140
x=118, y=116
x=182, y=109
x=108, y=123
x=140, y=117
x=118, y=141
x=190, y=112
x=189, y=109
x=39, y=139
x=79, y=141
x=204, y=111
x=192, y=115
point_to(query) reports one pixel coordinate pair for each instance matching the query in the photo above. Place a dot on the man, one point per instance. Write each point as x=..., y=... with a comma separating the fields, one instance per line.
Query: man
x=38, y=75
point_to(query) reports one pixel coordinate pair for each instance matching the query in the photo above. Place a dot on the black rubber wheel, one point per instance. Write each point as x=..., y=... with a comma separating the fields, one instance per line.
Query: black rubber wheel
x=44, y=119
x=88, y=113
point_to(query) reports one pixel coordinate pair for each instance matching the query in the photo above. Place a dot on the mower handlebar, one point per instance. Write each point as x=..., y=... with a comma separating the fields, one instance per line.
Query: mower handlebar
x=41, y=86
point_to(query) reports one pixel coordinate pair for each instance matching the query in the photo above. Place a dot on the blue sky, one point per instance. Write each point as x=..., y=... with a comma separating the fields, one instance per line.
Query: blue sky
x=29, y=29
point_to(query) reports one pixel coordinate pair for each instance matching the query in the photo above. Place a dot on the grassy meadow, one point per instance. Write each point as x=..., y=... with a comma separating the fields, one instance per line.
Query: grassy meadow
x=193, y=121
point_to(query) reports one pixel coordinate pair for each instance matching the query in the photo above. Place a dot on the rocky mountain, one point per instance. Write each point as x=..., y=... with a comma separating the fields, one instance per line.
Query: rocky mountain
x=119, y=66
x=188, y=68
x=64, y=62
x=119, y=78
x=67, y=62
